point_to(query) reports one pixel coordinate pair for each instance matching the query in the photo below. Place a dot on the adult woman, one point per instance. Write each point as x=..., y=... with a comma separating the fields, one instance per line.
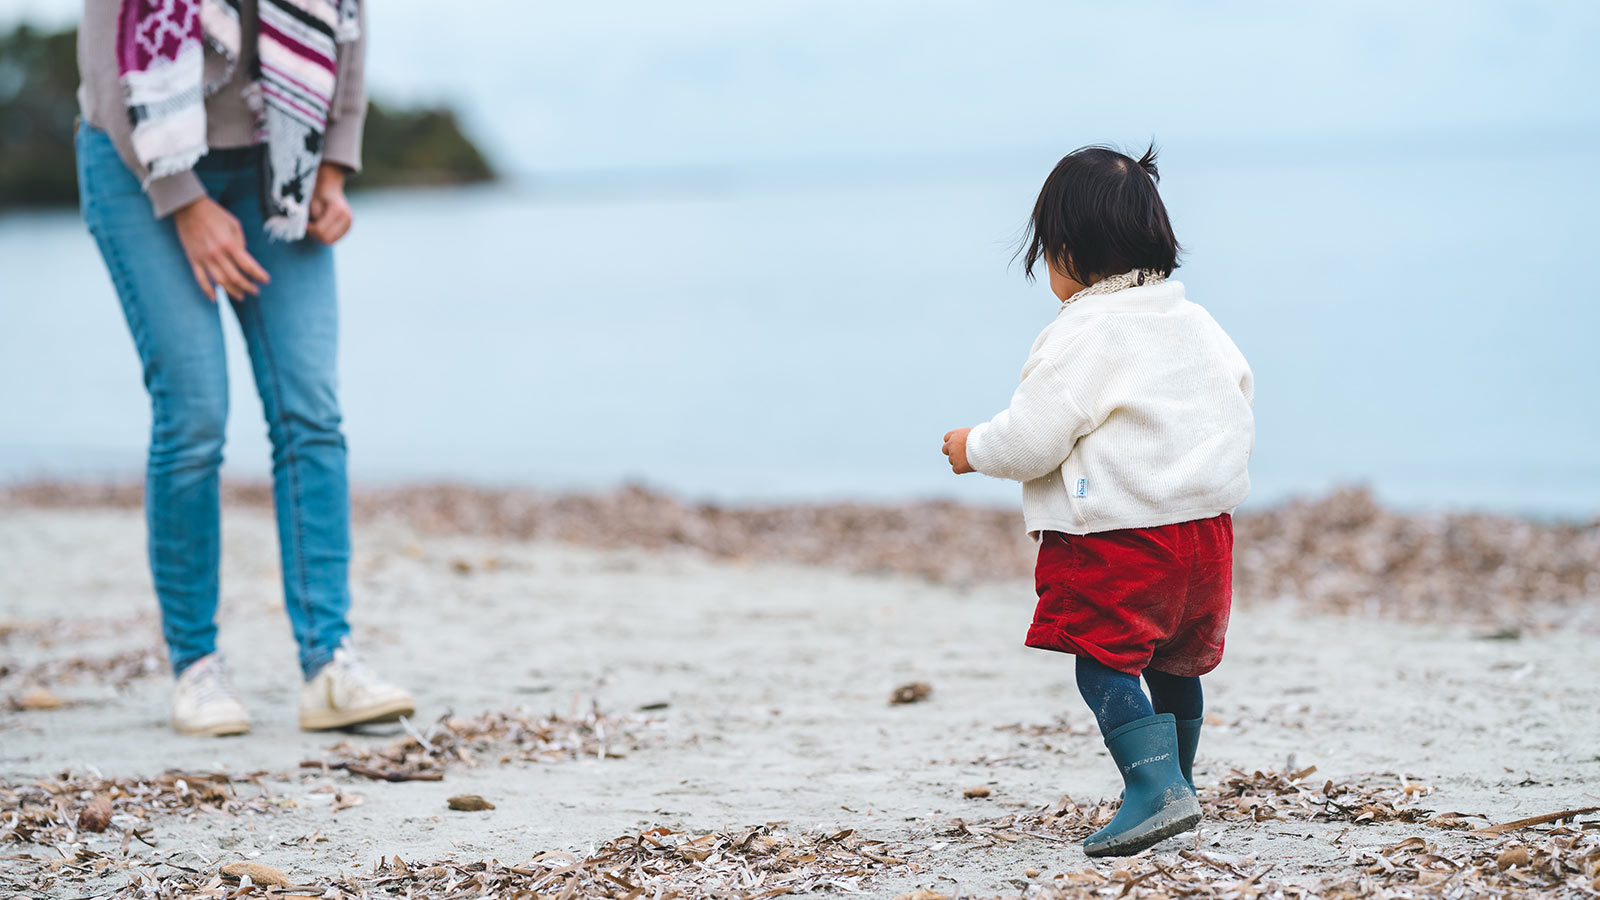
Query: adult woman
x=215, y=139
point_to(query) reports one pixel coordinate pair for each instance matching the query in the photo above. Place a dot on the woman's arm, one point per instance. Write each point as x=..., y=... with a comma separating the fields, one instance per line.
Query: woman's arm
x=105, y=106
x=212, y=238
x=341, y=146
x=347, y=115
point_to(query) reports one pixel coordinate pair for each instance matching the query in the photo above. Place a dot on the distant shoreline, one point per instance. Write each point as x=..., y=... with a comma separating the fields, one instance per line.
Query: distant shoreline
x=402, y=146
x=1340, y=553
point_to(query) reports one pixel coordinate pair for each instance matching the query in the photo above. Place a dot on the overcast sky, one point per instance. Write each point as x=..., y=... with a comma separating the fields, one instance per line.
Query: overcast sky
x=694, y=82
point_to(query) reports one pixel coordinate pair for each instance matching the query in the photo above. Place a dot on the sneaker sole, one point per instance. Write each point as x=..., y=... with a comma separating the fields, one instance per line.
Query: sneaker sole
x=221, y=729
x=372, y=715
x=1150, y=832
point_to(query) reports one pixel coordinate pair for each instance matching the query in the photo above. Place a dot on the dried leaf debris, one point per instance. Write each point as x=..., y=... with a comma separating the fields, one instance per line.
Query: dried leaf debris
x=1562, y=864
x=756, y=862
x=1342, y=553
x=1239, y=797
x=66, y=813
x=60, y=813
x=1513, y=861
x=29, y=688
x=492, y=737
x=1259, y=796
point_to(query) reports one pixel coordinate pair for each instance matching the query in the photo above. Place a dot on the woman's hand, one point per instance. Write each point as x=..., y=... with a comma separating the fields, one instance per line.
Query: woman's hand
x=214, y=243
x=330, y=212
x=955, y=447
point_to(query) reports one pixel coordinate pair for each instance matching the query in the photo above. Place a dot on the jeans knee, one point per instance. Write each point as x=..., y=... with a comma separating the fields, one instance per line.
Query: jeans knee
x=308, y=423
x=188, y=433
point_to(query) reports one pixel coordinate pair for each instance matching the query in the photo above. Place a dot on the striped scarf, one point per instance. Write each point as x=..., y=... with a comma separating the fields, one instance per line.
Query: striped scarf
x=161, y=66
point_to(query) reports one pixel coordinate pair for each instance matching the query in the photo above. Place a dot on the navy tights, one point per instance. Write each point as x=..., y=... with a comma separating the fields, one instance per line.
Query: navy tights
x=1116, y=699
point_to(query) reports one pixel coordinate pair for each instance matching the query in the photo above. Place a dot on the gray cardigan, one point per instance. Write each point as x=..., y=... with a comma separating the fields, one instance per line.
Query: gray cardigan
x=229, y=122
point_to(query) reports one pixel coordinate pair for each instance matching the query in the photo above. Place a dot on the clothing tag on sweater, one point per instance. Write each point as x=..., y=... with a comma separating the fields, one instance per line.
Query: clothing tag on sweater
x=1081, y=489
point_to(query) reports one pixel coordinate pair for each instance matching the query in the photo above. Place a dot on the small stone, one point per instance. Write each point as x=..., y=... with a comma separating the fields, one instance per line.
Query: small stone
x=34, y=699
x=1516, y=855
x=259, y=873
x=469, y=803
x=96, y=816
x=975, y=793
x=1031, y=873
x=915, y=692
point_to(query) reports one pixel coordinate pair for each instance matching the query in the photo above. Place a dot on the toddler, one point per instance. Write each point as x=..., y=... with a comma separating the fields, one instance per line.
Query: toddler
x=1131, y=433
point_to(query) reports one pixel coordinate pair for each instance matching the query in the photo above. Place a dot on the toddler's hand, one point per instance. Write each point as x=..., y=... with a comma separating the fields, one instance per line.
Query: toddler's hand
x=955, y=447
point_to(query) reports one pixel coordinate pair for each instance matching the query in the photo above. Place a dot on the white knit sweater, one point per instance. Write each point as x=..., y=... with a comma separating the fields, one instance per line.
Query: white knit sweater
x=1134, y=411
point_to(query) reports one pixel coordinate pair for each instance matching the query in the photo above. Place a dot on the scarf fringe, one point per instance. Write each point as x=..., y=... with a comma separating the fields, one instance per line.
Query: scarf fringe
x=230, y=62
x=347, y=25
x=174, y=163
x=167, y=108
x=284, y=228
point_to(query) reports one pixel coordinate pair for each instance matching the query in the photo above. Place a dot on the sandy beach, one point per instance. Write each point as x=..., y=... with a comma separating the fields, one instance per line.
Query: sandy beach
x=597, y=688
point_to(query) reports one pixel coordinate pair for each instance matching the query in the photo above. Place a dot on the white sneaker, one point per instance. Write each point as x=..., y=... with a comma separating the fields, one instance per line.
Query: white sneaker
x=347, y=693
x=204, y=702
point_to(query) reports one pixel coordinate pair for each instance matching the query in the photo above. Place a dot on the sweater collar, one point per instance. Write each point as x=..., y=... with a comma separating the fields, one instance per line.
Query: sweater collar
x=1113, y=283
x=1147, y=298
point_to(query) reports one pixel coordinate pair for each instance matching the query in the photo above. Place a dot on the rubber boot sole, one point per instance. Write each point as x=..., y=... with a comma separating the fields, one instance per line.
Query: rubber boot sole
x=1174, y=819
x=324, y=720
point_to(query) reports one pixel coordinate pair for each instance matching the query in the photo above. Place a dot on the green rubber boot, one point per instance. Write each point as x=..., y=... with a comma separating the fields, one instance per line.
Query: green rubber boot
x=1156, y=802
x=1188, y=743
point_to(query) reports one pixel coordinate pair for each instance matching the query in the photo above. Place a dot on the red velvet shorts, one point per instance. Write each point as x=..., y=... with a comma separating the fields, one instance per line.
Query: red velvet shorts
x=1137, y=598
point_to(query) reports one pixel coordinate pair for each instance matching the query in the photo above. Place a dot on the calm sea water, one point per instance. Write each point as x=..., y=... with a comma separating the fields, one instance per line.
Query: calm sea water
x=1420, y=322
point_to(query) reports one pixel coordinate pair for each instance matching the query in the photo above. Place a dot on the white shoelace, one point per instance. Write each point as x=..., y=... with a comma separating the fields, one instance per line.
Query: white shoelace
x=355, y=670
x=211, y=684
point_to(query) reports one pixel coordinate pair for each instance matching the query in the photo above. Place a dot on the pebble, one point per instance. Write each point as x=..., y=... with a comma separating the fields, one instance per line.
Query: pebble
x=260, y=873
x=469, y=803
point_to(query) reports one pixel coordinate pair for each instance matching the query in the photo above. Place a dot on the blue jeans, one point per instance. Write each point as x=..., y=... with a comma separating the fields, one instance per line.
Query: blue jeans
x=291, y=330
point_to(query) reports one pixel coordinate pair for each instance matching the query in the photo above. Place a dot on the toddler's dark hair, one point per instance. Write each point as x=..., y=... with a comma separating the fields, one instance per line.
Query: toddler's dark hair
x=1099, y=214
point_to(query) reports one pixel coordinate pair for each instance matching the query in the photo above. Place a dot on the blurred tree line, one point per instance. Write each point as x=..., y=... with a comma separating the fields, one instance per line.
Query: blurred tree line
x=39, y=104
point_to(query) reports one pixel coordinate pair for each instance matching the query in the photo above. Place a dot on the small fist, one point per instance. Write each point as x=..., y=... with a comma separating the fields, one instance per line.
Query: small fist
x=955, y=447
